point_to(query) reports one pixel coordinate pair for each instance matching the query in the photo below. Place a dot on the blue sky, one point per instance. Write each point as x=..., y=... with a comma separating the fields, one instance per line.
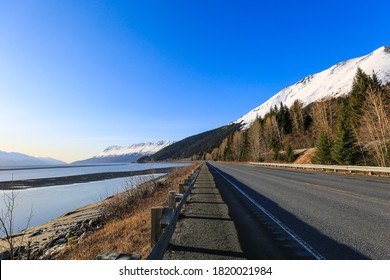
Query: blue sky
x=78, y=76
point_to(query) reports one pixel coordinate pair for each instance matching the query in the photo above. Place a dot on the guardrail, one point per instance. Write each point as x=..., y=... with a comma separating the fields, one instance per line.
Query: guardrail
x=164, y=219
x=370, y=170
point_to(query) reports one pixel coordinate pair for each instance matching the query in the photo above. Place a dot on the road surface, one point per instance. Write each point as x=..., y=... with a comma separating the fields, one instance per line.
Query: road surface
x=339, y=216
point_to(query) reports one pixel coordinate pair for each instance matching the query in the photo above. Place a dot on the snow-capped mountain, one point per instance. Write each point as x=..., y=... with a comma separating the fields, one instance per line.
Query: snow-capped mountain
x=117, y=154
x=333, y=82
x=18, y=159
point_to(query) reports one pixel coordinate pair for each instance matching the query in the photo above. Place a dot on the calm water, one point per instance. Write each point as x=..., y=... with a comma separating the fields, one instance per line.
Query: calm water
x=48, y=203
x=69, y=170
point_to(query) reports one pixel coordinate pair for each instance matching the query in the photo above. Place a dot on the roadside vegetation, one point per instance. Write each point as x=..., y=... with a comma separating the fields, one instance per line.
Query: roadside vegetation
x=352, y=130
x=126, y=219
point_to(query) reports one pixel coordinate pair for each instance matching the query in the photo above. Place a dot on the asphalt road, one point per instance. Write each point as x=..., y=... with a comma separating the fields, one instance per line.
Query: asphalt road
x=340, y=216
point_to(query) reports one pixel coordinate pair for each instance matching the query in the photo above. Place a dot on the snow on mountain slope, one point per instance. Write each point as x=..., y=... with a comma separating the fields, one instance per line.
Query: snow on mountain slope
x=143, y=148
x=18, y=159
x=333, y=82
x=117, y=154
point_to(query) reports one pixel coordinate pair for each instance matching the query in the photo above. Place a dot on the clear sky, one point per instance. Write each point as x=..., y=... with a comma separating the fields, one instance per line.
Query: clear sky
x=78, y=76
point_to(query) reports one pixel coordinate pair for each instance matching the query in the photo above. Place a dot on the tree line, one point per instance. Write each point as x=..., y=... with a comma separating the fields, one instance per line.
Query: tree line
x=350, y=130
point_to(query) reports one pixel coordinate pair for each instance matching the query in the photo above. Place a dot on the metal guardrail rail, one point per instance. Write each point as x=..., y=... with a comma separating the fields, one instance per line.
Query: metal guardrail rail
x=160, y=247
x=371, y=170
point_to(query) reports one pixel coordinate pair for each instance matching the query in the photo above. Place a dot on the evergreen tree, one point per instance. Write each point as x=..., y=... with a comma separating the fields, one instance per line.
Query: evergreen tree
x=244, y=156
x=276, y=152
x=228, y=152
x=289, y=154
x=344, y=146
x=284, y=119
x=360, y=85
x=324, y=146
x=375, y=83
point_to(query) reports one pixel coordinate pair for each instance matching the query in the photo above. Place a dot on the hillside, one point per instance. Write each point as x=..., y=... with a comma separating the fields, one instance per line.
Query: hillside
x=197, y=145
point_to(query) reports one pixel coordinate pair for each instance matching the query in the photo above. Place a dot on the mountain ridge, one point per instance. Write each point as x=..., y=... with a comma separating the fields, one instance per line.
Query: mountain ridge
x=127, y=154
x=335, y=81
x=18, y=159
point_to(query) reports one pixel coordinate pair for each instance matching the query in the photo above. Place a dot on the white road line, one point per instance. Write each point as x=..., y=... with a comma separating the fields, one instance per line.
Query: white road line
x=292, y=234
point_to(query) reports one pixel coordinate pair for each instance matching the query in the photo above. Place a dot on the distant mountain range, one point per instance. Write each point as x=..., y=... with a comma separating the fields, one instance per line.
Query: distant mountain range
x=117, y=154
x=17, y=159
x=333, y=82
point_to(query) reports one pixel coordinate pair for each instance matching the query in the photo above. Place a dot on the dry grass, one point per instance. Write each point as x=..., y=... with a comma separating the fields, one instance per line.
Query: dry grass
x=306, y=157
x=127, y=233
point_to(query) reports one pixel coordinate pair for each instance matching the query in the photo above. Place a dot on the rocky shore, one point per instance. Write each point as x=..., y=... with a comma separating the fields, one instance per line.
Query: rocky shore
x=46, y=240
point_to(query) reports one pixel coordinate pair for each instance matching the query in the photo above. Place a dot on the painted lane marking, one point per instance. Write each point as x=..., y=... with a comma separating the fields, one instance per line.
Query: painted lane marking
x=292, y=234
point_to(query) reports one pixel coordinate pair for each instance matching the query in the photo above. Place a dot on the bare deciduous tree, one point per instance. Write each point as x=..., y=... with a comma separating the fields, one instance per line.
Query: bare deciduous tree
x=376, y=125
x=255, y=141
x=323, y=115
x=7, y=226
x=296, y=113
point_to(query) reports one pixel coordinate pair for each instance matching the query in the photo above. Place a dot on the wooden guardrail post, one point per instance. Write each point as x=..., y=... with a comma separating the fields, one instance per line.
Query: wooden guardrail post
x=182, y=188
x=172, y=200
x=164, y=219
x=156, y=225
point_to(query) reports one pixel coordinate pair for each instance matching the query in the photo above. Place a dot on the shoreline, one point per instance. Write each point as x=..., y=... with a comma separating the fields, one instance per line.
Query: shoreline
x=46, y=240
x=74, y=179
x=74, y=228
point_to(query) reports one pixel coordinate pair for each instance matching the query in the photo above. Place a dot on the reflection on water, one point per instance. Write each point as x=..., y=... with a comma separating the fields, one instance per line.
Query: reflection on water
x=48, y=203
x=70, y=170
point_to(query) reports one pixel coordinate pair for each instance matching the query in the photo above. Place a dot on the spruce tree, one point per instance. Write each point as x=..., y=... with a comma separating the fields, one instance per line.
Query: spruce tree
x=289, y=154
x=244, y=156
x=323, y=146
x=376, y=84
x=276, y=152
x=284, y=119
x=360, y=85
x=344, y=146
x=228, y=153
